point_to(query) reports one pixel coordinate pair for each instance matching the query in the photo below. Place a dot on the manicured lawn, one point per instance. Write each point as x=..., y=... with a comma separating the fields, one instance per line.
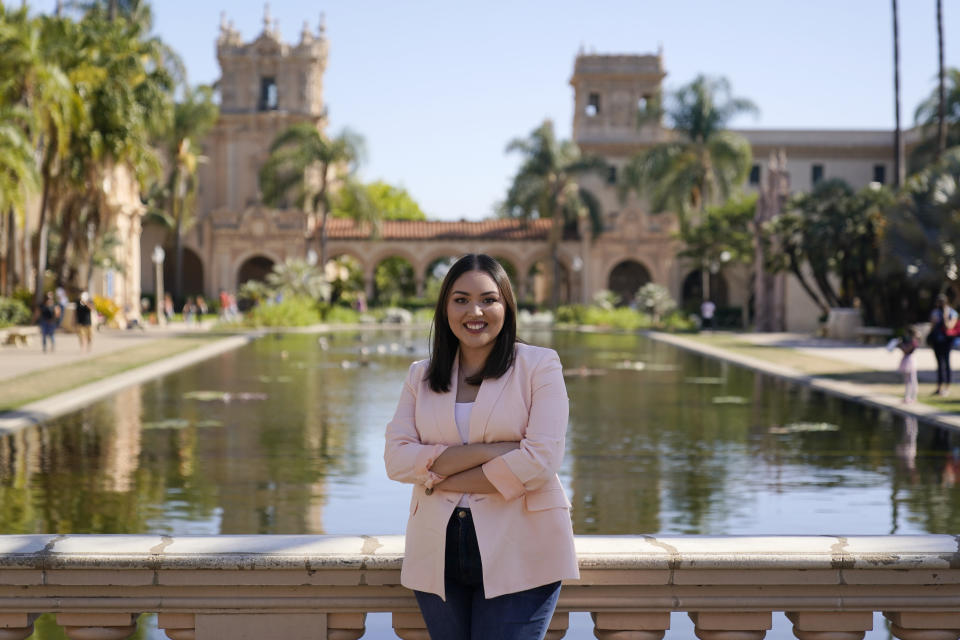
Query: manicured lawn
x=881, y=382
x=35, y=385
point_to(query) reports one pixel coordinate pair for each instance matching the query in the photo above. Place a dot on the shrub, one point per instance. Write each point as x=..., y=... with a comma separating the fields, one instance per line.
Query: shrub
x=339, y=314
x=293, y=311
x=655, y=299
x=106, y=308
x=13, y=311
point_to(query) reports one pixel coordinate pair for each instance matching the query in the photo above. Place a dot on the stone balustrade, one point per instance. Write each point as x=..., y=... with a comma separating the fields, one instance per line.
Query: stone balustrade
x=299, y=587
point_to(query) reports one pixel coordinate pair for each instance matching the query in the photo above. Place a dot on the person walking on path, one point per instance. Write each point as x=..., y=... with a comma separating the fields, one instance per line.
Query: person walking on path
x=908, y=365
x=707, y=309
x=943, y=320
x=48, y=315
x=479, y=432
x=85, y=322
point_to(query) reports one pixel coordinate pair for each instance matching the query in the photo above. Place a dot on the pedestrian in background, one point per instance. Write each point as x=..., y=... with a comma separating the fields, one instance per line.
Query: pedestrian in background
x=84, y=322
x=48, y=315
x=908, y=365
x=943, y=321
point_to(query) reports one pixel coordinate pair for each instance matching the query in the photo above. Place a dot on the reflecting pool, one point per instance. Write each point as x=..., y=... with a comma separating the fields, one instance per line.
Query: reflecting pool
x=285, y=435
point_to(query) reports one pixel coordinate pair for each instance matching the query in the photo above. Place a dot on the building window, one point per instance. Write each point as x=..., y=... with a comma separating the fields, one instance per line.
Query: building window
x=593, y=105
x=755, y=174
x=268, y=94
x=611, y=175
x=816, y=173
x=880, y=173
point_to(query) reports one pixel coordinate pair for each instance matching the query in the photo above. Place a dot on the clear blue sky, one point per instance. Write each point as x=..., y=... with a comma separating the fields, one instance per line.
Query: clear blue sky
x=438, y=88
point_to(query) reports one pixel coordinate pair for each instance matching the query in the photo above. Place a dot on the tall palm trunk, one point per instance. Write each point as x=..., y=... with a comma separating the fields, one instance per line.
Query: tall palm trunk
x=941, y=88
x=43, y=231
x=556, y=229
x=899, y=173
x=322, y=201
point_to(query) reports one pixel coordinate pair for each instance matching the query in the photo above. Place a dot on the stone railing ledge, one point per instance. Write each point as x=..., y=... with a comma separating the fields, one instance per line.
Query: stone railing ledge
x=302, y=587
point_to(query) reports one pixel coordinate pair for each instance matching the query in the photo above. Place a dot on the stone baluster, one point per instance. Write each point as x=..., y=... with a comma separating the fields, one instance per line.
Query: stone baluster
x=558, y=625
x=830, y=625
x=178, y=626
x=927, y=625
x=711, y=625
x=410, y=626
x=15, y=626
x=345, y=626
x=98, y=626
x=630, y=626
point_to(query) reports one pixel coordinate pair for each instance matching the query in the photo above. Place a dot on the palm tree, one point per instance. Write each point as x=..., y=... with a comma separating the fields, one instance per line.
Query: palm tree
x=941, y=87
x=193, y=116
x=927, y=116
x=37, y=82
x=546, y=187
x=899, y=172
x=18, y=176
x=302, y=164
x=703, y=163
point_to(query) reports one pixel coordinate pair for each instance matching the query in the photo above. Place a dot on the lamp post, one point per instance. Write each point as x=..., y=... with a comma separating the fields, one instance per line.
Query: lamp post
x=158, y=255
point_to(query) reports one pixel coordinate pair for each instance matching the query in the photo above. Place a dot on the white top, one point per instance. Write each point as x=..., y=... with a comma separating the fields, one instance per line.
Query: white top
x=461, y=414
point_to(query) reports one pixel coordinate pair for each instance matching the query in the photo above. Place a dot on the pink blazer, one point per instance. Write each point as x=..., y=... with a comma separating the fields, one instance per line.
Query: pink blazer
x=524, y=531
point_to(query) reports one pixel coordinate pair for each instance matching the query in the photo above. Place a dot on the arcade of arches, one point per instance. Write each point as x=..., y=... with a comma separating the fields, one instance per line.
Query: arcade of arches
x=222, y=255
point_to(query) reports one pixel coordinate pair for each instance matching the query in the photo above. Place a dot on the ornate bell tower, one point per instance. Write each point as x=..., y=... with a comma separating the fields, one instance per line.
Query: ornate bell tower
x=265, y=86
x=609, y=91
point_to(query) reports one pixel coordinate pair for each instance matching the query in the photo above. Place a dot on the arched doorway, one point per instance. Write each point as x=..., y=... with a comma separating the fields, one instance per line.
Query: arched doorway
x=626, y=278
x=255, y=268
x=192, y=273
x=691, y=293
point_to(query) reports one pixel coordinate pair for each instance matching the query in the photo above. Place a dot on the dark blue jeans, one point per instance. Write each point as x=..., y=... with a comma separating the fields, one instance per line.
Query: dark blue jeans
x=941, y=349
x=467, y=614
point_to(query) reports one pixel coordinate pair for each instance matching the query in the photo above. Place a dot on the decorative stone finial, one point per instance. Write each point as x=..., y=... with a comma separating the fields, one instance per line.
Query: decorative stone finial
x=322, y=27
x=266, y=17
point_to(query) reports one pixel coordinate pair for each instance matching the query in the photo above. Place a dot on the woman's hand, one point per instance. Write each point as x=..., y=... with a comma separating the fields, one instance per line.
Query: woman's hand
x=467, y=456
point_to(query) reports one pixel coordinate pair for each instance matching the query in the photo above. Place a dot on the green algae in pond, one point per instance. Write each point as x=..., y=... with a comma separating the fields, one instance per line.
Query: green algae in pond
x=205, y=396
x=172, y=423
x=278, y=379
x=180, y=423
x=703, y=380
x=803, y=427
x=730, y=400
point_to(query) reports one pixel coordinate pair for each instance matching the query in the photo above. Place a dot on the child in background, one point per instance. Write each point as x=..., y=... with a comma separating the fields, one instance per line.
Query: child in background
x=908, y=365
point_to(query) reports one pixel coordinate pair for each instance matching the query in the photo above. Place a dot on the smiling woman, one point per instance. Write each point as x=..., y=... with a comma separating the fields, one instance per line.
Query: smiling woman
x=480, y=432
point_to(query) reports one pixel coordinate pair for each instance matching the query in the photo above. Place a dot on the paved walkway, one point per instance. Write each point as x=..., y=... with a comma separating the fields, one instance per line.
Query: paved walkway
x=862, y=357
x=16, y=361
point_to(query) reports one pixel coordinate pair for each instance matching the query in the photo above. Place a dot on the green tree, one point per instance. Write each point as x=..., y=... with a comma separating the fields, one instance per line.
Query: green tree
x=923, y=234
x=927, y=118
x=702, y=163
x=836, y=236
x=34, y=79
x=545, y=187
x=18, y=177
x=723, y=236
x=386, y=201
x=193, y=116
x=302, y=164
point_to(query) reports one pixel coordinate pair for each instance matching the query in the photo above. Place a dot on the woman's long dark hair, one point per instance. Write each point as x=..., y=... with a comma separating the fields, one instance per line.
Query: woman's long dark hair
x=444, y=343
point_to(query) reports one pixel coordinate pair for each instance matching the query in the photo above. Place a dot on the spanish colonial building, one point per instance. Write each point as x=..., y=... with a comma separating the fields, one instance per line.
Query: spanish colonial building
x=267, y=85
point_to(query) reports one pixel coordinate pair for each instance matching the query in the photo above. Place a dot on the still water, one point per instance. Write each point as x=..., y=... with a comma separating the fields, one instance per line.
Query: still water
x=285, y=436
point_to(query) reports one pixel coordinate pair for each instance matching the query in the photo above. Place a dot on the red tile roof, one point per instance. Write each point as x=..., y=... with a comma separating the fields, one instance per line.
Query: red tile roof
x=345, y=229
